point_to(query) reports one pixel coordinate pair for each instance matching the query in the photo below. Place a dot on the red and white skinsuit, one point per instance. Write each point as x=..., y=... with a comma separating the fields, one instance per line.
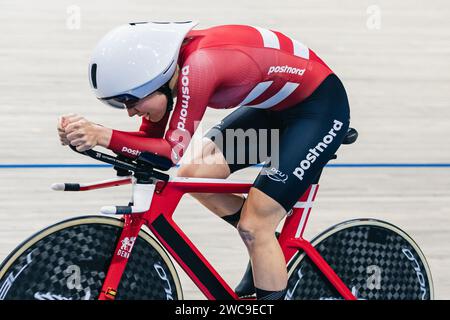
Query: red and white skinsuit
x=224, y=67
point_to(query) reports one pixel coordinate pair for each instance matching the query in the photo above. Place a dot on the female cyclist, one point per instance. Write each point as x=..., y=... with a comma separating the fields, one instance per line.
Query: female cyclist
x=292, y=115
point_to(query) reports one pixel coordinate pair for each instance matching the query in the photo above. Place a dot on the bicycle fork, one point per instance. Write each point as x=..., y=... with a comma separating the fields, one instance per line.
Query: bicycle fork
x=133, y=221
x=131, y=228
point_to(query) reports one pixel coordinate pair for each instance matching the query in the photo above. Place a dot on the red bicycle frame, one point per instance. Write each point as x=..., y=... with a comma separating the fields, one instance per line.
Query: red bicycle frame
x=158, y=218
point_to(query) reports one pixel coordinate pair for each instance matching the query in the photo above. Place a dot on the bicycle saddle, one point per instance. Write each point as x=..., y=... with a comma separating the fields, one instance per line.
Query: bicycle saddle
x=351, y=136
x=155, y=161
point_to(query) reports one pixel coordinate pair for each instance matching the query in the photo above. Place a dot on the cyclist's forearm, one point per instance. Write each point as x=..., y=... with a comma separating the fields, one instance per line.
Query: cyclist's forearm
x=136, y=133
x=129, y=145
x=104, y=136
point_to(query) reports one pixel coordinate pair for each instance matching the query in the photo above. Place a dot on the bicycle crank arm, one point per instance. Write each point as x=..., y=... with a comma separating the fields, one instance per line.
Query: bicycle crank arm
x=92, y=185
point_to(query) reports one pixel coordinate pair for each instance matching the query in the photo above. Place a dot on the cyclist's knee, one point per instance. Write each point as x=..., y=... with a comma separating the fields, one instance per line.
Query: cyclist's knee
x=259, y=220
x=247, y=233
x=253, y=236
x=262, y=207
x=255, y=232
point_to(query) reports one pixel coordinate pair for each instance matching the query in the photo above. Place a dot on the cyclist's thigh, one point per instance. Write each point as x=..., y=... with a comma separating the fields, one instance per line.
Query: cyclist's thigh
x=243, y=137
x=204, y=161
x=312, y=134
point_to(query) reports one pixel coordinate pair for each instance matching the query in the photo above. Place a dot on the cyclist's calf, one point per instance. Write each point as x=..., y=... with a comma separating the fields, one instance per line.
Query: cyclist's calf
x=259, y=220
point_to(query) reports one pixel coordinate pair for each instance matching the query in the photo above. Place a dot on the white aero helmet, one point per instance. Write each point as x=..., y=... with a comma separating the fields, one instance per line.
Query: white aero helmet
x=136, y=59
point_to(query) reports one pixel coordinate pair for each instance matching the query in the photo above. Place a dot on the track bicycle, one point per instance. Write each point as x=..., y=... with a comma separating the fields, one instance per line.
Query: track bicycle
x=107, y=258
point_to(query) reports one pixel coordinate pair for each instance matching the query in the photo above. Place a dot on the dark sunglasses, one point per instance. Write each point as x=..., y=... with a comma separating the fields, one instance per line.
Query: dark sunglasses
x=121, y=101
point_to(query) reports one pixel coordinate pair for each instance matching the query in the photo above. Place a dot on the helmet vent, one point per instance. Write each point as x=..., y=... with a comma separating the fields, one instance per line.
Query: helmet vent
x=94, y=75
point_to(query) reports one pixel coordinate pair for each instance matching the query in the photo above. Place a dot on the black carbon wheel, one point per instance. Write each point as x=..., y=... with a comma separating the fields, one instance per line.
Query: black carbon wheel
x=69, y=261
x=375, y=259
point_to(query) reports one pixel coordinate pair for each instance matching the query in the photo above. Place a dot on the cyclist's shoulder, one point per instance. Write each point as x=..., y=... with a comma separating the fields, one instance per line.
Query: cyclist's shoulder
x=257, y=43
x=210, y=49
x=230, y=36
x=224, y=33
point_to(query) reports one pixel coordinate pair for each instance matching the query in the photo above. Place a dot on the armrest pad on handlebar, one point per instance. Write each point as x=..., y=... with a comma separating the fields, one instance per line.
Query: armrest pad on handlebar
x=156, y=161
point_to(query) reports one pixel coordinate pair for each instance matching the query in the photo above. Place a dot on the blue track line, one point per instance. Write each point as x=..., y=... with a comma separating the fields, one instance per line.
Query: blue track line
x=335, y=165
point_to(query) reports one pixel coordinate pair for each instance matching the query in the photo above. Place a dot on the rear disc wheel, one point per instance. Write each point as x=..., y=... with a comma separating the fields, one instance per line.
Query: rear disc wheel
x=375, y=259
